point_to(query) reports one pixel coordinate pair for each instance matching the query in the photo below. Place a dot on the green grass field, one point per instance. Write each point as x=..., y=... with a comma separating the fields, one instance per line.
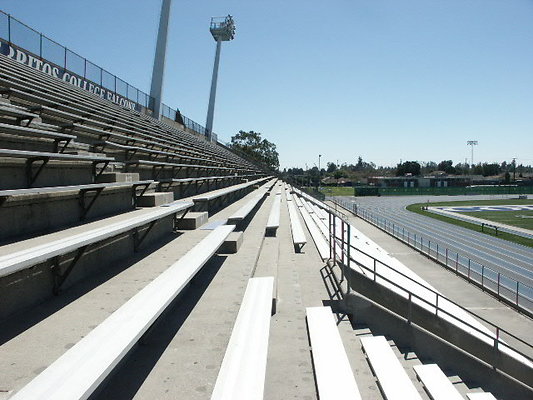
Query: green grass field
x=505, y=217
x=337, y=190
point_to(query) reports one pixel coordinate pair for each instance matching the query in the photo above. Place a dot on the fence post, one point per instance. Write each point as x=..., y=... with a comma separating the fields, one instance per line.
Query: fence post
x=9, y=28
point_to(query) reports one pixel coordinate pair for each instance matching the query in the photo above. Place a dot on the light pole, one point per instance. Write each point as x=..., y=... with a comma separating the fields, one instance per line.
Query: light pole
x=223, y=30
x=472, y=143
x=319, y=171
x=158, y=72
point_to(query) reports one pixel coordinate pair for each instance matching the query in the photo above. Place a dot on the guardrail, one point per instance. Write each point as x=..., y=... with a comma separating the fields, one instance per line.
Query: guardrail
x=509, y=290
x=342, y=253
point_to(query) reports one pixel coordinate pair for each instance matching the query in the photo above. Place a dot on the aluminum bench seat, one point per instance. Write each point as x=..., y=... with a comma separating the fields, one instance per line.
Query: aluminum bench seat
x=17, y=113
x=480, y=396
x=33, y=157
x=209, y=196
x=334, y=376
x=39, y=133
x=246, y=209
x=243, y=370
x=273, y=217
x=32, y=255
x=81, y=191
x=436, y=383
x=394, y=382
x=298, y=236
x=81, y=369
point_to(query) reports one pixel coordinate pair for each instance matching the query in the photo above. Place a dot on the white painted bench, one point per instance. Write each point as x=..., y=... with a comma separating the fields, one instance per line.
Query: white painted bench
x=436, y=383
x=241, y=214
x=334, y=376
x=273, y=217
x=28, y=257
x=242, y=373
x=81, y=369
x=480, y=396
x=392, y=378
x=298, y=235
x=39, y=133
x=321, y=241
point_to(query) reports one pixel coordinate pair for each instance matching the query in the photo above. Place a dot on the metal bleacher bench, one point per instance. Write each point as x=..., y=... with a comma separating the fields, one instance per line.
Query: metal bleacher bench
x=243, y=370
x=81, y=369
x=243, y=212
x=32, y=255
x=39, y=133
x=81, y=190
x=436, y=383
x=394, y=382
x=273, y=217
x=480, y=396
x=18, y=114
x=298, y=235
x=334, y=376
x=205, y=199
x=43, y=157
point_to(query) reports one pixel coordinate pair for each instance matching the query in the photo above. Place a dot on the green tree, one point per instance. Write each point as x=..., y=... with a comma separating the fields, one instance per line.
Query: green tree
x=408, y=167
x=258, y=149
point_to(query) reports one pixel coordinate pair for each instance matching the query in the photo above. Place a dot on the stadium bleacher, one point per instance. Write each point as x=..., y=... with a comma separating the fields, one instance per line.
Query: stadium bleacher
x=95, y=260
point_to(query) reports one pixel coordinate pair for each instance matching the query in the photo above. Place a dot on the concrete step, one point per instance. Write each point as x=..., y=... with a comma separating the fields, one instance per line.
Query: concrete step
x=118, y=177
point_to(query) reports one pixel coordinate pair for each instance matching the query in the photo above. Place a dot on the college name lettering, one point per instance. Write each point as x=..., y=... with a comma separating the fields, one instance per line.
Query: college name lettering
x=28, y=59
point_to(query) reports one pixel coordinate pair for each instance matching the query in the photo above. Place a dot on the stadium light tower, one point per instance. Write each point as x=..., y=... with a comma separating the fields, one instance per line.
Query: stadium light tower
x=472, y=143
x=156, y=88
x=223, y=30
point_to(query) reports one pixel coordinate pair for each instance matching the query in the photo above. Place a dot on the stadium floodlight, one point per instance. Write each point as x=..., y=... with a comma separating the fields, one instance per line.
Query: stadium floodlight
x=223, y=30
x=472, y=143
x=156, y=88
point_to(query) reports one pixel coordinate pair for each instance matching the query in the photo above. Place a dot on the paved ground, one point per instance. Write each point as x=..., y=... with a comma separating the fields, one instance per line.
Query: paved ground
x=510, y=259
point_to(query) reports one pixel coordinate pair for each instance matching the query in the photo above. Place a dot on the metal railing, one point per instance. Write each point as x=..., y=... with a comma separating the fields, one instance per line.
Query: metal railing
x=46, y=50
x=509, y=290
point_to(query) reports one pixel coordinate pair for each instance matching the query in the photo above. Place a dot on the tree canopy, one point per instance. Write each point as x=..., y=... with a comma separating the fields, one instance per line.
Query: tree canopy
x=257, y=148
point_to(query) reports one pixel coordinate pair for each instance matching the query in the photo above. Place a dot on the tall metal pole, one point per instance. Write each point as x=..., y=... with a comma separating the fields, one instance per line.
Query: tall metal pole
x=212, y=95
x=156, y=88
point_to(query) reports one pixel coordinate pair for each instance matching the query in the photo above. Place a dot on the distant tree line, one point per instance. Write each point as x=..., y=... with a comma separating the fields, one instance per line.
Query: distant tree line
x=362, y=169
x=258, y=149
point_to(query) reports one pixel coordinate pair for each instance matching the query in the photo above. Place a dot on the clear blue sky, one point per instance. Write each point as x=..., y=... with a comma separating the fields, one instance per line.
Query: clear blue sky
x=384, y=79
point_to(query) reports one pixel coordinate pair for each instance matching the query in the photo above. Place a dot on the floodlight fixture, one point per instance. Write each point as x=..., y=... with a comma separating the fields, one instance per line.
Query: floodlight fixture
x=472, y=143
x=223, y=30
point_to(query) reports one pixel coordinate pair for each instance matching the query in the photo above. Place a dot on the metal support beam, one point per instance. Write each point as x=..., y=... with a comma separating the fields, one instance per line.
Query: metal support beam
x=156, y=88
x=212, y=95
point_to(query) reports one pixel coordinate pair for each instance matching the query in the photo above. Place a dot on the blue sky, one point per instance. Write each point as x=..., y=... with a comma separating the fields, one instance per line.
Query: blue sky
x=389, y=80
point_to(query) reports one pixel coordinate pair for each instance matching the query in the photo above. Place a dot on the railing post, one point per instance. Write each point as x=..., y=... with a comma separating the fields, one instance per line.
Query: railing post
x=482, y=273
x=429, y=247
x=498, y=287
x=437, y=304
x=469, y=269
x=348, y=274
x=410, y=310
x=457, y=263
x=446, y=256
x=517, y=283
x=374, y=269
x=437, y=255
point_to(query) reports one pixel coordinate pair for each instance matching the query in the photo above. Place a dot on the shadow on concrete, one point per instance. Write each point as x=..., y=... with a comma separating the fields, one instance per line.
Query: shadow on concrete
x=129, y=375
x=17, y=323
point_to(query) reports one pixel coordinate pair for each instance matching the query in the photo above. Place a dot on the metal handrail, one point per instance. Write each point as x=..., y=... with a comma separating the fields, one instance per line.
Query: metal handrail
x=369, y=217
x=437, y=295
x=498, y=332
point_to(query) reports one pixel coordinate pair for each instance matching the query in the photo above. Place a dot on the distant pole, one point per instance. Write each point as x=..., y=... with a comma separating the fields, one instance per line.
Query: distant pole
x=223, y=30
x=472, y=143
x=319, y=171
x=158, y=72
x=213, y=93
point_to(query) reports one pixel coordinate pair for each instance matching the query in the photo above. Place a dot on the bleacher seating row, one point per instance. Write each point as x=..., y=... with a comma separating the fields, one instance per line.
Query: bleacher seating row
x=85, y=183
